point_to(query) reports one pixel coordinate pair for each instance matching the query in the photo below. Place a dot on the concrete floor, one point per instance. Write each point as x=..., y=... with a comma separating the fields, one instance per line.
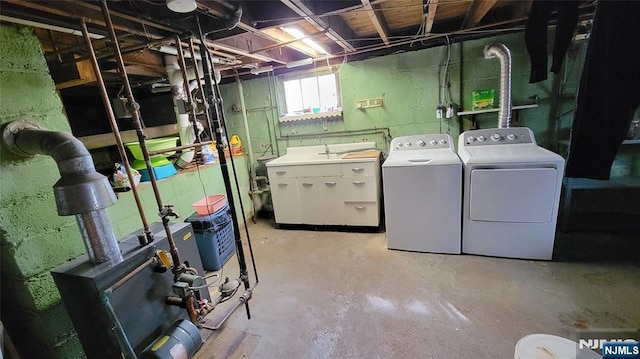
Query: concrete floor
x=344, y=295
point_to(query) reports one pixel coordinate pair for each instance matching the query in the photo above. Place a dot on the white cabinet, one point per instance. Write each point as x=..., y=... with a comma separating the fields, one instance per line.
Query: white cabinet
x=343, y=192
x=284, y=194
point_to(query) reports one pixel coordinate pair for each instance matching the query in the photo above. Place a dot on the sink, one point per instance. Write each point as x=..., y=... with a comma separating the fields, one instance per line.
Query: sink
x=318, y=154
x=328, y=156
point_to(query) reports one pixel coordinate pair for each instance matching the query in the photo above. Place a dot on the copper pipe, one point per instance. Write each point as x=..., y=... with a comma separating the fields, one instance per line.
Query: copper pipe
x=114, y=128
x=131, y=274
x=189, y=303
x=137, y=122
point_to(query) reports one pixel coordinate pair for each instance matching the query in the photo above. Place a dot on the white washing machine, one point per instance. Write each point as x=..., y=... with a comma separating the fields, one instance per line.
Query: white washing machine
x=422, y=182
x=511, y=193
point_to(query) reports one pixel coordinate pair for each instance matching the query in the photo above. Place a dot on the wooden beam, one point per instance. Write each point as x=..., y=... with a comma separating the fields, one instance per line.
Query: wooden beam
x=288, y=42
x=431, y=16
x=377, y=19
x=74, y=14
x=302, y=8
x=245, y=25
x=108, y=139
x=476, y=12
x=217, y=45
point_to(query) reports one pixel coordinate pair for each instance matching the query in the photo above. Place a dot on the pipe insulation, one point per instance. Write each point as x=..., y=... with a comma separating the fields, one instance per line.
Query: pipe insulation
x=504, y=55
x=80, y=191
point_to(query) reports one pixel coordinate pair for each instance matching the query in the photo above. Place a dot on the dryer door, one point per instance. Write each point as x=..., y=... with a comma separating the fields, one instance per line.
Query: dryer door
x=523, y=195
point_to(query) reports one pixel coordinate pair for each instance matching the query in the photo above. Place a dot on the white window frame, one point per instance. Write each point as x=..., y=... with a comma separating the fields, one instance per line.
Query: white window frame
x=303, y=75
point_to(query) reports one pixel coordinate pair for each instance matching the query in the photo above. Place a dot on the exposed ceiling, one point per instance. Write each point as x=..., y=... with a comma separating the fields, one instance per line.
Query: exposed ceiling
x=251, y=35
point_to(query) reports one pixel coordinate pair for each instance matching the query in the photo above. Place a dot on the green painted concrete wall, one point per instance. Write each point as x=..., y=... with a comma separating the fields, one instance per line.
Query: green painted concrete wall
x=181, y=191
x=33, y=238
x=408, y=84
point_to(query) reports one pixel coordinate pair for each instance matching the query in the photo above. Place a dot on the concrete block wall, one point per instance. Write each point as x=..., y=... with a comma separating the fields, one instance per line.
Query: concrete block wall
x=409, y=85
x=33, y=238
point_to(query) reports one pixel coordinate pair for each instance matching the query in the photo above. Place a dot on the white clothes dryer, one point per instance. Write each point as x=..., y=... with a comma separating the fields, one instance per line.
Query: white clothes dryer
x=422, y=184
x=511, y=193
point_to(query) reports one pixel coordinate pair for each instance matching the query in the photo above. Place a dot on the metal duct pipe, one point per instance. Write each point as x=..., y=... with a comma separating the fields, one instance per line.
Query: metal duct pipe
x=234, y=11
x=503, y=53
x=80, y=191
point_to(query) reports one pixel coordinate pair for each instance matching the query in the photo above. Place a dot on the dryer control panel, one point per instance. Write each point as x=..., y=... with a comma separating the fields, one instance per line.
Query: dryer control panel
x=497, y=136
x=422, y=142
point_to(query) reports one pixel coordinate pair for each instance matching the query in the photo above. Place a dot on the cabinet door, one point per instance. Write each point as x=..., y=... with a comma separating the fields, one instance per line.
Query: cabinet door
x=286, y=202
x=321, y=200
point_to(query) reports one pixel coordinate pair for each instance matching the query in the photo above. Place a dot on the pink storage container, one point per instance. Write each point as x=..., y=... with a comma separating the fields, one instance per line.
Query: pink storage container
x=210, y=204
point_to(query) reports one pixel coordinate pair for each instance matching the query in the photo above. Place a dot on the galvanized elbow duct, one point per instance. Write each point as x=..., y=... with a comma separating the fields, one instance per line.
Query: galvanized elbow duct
x=80, y=191
x=234, y=13
x=503, y=53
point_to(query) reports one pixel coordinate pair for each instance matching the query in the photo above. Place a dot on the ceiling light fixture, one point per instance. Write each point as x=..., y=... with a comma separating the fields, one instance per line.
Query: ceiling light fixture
x=300, y=35
x=298, y=63
x=182, y=6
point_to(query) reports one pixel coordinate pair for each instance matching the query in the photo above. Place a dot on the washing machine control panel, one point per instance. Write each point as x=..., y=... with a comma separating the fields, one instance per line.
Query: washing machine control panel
x=497, y=136
x=421, y=142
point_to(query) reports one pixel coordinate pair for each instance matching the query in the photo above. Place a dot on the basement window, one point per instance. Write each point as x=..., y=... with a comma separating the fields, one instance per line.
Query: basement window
x=310, y=96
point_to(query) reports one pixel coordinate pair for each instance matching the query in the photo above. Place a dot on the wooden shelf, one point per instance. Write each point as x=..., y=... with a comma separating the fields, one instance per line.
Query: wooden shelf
x=513, y=108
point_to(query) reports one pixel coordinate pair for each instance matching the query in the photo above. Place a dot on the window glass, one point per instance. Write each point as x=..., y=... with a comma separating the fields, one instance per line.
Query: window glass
x=311, y=94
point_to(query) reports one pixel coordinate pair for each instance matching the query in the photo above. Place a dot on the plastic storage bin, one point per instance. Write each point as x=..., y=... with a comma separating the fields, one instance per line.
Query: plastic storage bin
x=214, y=237
x=210, y=204
x=160, y=172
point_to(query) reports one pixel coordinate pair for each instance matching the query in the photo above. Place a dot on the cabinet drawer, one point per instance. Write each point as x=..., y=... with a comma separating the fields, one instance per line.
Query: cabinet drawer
x=361, y=213
x=360, y=189
x=332, y=169
x=281, y=172
x=360, y=168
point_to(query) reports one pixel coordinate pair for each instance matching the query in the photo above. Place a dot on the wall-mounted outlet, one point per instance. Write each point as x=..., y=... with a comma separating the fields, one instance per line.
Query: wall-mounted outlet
x=368, y=103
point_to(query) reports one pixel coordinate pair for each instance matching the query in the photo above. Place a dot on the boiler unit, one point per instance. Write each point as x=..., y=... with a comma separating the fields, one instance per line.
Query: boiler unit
x=118, y=305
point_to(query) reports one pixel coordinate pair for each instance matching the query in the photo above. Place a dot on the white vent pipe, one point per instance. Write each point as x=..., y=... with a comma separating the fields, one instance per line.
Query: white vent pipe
x=502, y=52
x=185, y=126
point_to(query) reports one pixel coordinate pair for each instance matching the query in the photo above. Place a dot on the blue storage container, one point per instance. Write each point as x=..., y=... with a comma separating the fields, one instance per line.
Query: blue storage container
x=214, y=236
x=160, y=172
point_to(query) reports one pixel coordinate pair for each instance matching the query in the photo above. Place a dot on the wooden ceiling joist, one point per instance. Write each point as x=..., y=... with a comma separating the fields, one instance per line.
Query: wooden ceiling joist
x=377, y=19
x=476, y=12
x=431, y=16
x=337, y=30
